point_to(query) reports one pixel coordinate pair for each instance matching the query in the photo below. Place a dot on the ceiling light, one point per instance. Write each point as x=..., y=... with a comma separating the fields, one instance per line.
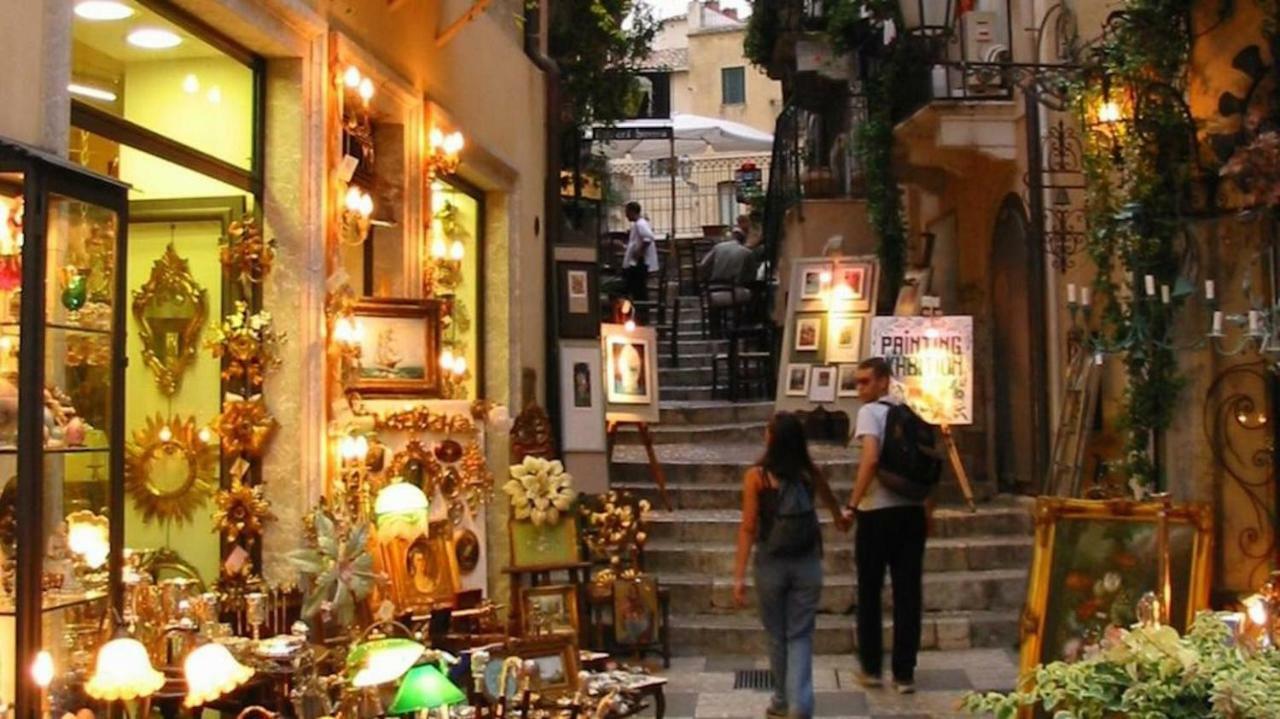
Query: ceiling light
x=93, y=93
x=153, y=38
x=215, y=95
x=103, y=10
x=191, y=84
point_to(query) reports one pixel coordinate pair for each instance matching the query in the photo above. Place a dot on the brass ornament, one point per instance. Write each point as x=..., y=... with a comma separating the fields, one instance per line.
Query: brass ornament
x=414, y=418
x=242, y=511
x=245, y=425
x=416, y=465
x=249, y=343
x=171, y=310
x=169, y=469
x=245, y=254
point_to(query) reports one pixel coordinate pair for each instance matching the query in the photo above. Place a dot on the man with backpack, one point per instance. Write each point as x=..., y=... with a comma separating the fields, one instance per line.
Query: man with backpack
x=899, y=465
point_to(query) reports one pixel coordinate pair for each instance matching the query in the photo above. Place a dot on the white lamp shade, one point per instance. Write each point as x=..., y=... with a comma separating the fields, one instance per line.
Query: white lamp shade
x=400, y=510
x=123, y=672
x=211, y=672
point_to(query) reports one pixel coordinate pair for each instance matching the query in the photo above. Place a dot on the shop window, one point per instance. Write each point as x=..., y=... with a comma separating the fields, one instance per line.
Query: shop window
x=733, y=86
x=457, y=257
x=164, y=78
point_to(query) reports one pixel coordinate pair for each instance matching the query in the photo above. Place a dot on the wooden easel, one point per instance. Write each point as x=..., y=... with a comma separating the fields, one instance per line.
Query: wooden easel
x=958, y=467
x=655, y=468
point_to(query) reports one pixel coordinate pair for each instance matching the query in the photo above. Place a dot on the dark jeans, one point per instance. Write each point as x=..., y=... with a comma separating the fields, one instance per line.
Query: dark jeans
x=636, y=278
x=787, y=590
x=892, y=538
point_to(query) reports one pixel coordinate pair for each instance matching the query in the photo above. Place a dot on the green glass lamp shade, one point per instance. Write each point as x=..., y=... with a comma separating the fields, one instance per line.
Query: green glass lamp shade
x=381, y=660
x=425, y=688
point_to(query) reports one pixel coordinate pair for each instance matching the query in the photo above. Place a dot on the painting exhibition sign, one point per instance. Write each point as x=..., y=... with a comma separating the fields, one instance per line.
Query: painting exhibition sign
x=931, y=359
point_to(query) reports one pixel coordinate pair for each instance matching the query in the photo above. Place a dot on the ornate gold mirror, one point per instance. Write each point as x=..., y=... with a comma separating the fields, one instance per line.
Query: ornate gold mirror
x=416, y=465
x=170, y=468
x=171, y=311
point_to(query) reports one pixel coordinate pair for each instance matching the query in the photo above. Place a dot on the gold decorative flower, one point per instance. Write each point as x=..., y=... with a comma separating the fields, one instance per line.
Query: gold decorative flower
x=189, y=456
x=245, y=254
x=250, y=344
x=245, y=425
x=242, y=512
x=540, y=490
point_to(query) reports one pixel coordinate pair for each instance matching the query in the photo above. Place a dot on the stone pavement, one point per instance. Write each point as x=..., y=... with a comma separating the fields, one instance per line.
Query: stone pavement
x=702, y=687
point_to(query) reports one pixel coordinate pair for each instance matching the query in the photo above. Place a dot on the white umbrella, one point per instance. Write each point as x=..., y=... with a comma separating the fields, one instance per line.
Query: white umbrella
x=694, y=134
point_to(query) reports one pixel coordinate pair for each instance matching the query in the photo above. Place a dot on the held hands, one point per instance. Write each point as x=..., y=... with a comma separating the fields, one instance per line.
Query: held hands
x=844, y=521
x=739, y=592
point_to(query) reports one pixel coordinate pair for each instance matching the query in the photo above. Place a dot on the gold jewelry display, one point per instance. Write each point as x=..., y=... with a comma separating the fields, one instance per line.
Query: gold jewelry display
x=245, y=425
x=171, y=311
x=249, y=343
x=242, y=511
x=170, y=469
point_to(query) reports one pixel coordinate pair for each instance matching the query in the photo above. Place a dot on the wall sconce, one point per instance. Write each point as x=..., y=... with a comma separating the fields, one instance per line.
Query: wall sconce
x=357, y=215
x=358, y=83
x=443, y=152
x=349, y=336
x=453, y=364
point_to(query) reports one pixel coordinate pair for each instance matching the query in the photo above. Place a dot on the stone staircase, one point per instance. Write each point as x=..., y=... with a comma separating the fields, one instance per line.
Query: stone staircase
x=975, y=563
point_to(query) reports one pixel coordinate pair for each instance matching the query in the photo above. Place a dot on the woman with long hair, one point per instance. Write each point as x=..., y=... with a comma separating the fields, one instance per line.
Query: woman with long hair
x=779, y=517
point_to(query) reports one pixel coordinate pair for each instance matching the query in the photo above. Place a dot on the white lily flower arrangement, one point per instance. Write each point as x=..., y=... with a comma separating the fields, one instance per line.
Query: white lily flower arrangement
x=540, y=490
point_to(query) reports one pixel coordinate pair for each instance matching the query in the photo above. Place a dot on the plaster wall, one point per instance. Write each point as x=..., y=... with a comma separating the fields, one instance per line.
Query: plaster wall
x=709, y=52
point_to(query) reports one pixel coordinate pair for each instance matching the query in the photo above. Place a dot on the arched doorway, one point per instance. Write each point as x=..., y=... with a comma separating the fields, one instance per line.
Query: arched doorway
x=1017, y=308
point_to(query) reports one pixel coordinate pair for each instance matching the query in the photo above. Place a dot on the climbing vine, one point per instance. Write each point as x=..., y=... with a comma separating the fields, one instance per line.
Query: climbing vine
x=1139, y=161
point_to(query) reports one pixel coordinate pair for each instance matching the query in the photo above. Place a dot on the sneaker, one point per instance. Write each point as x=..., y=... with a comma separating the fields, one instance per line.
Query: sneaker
x=904, y=687
x=869, y=681
x=774, y=712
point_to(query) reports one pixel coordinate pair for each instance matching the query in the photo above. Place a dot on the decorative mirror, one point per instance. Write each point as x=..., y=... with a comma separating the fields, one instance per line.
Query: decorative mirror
x=170, y=468
x=171, y=311
x=416, y=465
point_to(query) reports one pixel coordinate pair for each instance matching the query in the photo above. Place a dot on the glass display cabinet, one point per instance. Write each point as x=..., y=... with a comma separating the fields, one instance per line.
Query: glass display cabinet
x=61, y=444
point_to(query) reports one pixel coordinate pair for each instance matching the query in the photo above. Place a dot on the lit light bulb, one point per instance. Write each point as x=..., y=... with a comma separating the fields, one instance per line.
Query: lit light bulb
x=360, y=447
x=457, y=251
x=435, y=138
x=42, y=669
x=825, y=277
x=630, y=325
x=366, y=89
x=205, y=435
x=366, y=204
x=453, y=143
x=347, y=448
x=1257, y=610
x=351, y=78
x=1109, y=112
x=191, y=84
x=446, y=359
x=165, y=434
x=352, y=199
x=215, y=95
x=438, y=249
x=459, y=365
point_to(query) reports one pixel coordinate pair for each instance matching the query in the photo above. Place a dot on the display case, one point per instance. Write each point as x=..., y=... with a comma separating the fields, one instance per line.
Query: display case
x=61, y=403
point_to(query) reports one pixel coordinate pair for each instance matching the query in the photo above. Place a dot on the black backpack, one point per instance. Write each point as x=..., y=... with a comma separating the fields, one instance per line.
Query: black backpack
x=791, y=525
x=911, y=454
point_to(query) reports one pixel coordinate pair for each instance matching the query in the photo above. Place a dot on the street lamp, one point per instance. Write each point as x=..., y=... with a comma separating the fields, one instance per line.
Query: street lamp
x=928, y=18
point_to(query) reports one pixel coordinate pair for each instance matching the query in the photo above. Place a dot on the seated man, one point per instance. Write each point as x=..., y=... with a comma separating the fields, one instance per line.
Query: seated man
x=729, y=262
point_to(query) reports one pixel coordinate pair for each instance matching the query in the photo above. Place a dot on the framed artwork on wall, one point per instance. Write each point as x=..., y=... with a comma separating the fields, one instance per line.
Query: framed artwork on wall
x=630, y=376
x=1094, y=558
x=798, y=380
x=808, y=333
x=822, y=384
x=579, y=313
x=549, y=610
x=853, y=284
x=847, y=381
x=543, y=545
x=400, y=349
x=811, y=284
x=844, y=338
x=581, y=396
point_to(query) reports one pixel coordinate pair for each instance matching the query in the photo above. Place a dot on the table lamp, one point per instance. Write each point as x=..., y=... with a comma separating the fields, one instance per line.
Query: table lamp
x=425, y=688
x=211, y=672
x=123, y=671
x=400, y=510
x=379, y=661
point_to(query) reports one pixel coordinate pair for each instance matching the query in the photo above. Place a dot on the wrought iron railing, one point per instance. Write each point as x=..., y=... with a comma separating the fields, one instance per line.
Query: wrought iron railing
x=705, y=193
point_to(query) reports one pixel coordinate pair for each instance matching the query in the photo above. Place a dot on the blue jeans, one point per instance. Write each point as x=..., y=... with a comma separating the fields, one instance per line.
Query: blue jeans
x=787, y=590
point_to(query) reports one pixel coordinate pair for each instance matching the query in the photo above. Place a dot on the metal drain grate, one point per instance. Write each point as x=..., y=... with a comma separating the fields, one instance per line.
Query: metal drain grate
x=760, y=680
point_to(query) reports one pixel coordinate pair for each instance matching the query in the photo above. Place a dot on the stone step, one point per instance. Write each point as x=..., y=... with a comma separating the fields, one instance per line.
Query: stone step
x=737, y=432
x=721, y=525
x=665, y=360
x=685, y=394
x=693, y=346
x=969, y=590
x=957, y=554
x=724, y=463
x=741, y=633
x=717, y=412
x=683, y=376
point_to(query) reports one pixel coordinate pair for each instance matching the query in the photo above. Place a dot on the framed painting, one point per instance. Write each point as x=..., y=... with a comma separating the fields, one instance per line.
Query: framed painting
x=811, y=281
x=399, y=349
x=581, y=397
x=554, y=662
x=798, y=380
x=844, y=338
x=630, y=376
x=852, y=289
x=427, y=575
x=549, y=610
x=808, y=333
x=822, y=384
x=579, y=312
x=1093, y=561
x=635, y=610
x=543, y=546
x=847, y=380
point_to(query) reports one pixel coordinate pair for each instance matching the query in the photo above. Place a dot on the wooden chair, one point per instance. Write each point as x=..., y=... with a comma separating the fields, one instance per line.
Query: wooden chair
x=749, y=361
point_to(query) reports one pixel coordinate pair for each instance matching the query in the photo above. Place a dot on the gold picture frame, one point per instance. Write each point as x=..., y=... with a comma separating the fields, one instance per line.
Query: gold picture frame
x=556, y=662
x=388, y=365
x=171, y=309
x=424, y=573
x=550, y=610
x=1094, y=559
x=417, y=465
x=165, y=440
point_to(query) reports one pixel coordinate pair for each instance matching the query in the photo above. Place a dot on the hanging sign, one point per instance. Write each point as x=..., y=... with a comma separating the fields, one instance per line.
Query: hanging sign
x=616, y=134
x=932, y=360
x=747, y=179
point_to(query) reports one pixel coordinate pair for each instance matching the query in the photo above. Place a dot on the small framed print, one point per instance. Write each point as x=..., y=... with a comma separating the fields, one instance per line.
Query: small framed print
x=847, y=381
x=808, y=333
x=549, y=610
x=798, y=380
x=811, y=283
x=822, y=383
x=852, y=282
x=577, y=281
x=844, y=340
x=579, y=311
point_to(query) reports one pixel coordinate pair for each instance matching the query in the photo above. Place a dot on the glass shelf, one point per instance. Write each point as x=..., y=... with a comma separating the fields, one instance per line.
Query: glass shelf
x=54, y=602
x=10, y=449
x=66, y=327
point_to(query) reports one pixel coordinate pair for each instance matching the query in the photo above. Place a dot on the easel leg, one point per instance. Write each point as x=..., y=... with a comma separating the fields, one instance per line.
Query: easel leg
x=655, y=468
x=958, y=467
